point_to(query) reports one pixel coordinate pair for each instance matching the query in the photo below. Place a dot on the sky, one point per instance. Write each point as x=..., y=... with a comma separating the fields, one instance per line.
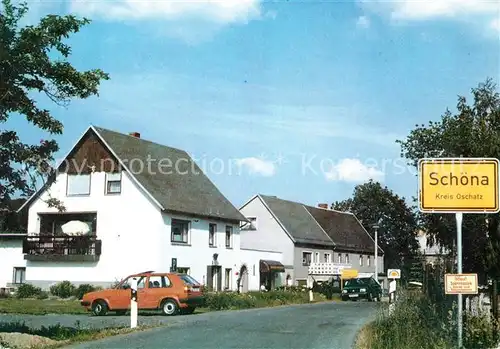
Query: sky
x=299, y=99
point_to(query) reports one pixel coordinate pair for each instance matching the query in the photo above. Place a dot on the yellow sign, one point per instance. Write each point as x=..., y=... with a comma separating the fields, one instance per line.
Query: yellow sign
x=460, y=283
x=394, y=274
x=458, y=185
x=349, y=274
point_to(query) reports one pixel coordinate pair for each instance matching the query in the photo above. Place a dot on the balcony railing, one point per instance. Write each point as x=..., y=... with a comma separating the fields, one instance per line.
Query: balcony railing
x=62, y=248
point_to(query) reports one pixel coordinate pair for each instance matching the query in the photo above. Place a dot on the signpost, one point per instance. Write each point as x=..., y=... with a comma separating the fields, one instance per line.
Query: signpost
x=133, y=303
x=458, y=185
x=460, y=283
x=394, y=273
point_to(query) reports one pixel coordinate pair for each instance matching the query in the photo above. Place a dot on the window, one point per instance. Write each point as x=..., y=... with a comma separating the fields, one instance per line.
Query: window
x=316, y=257
x=212, y=232
x=19, y=276
x=188, y=280
x=346, y=258
x=78, y=184
x=368, y=260
x=141, y=283
x=113, y=183
x=159, y=282
x=306, y=258
x=328, y=258
x=339, y=258
x=361, y=260
x=227, y=280
x=180, y=231
x=252, y=225
x=229, y=236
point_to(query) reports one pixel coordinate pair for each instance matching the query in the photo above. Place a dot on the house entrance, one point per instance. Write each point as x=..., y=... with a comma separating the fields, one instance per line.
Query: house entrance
x=214, y=277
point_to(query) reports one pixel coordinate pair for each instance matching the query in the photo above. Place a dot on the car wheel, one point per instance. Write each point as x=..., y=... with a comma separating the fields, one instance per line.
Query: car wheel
x=379, y=297
x=99, y=308
x=169, y=307
x=370, y=297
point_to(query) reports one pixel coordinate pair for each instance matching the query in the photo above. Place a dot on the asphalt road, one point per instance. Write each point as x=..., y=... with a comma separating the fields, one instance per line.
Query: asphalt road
x=312, y=326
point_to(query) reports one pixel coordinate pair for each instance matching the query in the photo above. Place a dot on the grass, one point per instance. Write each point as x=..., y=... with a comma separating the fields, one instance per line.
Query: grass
x=419, y=323
x=67, y=335
x=40, y=306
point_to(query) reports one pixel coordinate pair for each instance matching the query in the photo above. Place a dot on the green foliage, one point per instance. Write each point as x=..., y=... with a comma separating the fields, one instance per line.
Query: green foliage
x=28, y=291
x=56, y=332
x=63, y=289
x=34, y=64
x=233, y=300
x=84, y=288
x=398, y=225
x=327, y=288
x=419, y=323
x=472, y=131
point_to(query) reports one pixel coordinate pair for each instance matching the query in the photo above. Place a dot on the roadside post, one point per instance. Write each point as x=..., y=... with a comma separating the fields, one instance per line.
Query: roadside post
x=393, y=274
x=458, y=186
x=133, y=303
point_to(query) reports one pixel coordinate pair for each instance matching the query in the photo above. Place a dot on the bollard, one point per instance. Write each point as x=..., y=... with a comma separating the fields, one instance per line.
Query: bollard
x=310, y=287
x=133, y=303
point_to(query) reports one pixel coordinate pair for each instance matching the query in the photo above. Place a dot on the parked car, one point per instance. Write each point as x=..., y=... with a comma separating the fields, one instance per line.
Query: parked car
x=362, y=288
x=172, y=293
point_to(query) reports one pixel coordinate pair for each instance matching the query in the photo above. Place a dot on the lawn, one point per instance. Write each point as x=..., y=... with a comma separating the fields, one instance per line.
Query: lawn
x=40, y=306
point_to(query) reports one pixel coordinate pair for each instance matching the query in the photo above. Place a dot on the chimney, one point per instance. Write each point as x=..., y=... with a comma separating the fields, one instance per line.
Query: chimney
x=325, y=206
x=135, y=134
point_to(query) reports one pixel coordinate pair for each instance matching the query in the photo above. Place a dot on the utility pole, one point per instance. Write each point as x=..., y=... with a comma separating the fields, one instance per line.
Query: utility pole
x=376, y=226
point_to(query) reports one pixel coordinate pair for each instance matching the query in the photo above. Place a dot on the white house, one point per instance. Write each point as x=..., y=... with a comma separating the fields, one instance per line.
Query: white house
x=305, y=234
x=144, y=206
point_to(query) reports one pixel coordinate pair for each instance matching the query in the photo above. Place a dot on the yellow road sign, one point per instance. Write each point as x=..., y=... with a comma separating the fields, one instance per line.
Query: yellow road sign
x=465, y=185
x=460, y=283
x=349, y=274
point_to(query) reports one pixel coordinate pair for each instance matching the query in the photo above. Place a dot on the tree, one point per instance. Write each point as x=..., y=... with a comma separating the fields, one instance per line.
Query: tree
x=398, y=222
x=33, y=59
x=473, y=131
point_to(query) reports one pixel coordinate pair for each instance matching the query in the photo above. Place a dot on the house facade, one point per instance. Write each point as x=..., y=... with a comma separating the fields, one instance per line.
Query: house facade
x=305, y=234
x=143, y=206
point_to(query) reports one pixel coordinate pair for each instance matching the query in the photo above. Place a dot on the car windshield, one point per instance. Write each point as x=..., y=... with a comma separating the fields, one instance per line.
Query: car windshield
x=356, y=282
x=188, y=280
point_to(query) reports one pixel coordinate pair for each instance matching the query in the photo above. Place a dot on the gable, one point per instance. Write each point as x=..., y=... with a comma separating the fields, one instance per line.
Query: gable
x=89, y=152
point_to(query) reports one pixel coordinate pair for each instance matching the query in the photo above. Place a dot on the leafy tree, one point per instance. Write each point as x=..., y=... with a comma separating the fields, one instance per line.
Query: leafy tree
x=472, y=131
x=34, y=59
x=398, y=222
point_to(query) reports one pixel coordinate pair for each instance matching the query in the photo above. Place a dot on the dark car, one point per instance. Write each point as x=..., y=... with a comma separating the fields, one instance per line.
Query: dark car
x=362, y=288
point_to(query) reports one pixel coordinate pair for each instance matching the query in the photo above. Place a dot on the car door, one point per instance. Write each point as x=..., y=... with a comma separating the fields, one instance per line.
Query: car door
x=158, y=288
x=119, y=298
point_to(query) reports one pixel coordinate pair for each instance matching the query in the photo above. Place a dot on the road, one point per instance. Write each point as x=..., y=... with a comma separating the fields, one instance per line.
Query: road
x=313, y=326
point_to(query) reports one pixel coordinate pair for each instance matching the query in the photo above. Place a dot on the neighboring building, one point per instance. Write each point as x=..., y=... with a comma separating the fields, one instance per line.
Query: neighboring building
x=431, y=254
x=134, y=206
x=12, y=234
x=305, y=234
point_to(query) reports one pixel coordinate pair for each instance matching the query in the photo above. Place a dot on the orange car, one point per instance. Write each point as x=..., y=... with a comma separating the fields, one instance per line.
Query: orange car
x=172, y=293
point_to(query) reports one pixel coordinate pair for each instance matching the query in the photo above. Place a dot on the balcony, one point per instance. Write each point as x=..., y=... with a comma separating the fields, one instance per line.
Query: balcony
x=62, y=248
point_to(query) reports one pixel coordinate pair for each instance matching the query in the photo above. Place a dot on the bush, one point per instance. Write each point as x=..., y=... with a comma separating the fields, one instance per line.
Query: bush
x=28, y=291
x=233, y=300
x=418, y=322
x=64, y=289
x=42, y=295
x=83, y=289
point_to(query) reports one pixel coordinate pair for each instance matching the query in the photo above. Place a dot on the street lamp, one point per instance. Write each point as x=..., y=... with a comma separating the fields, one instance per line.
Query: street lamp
x=376, y=226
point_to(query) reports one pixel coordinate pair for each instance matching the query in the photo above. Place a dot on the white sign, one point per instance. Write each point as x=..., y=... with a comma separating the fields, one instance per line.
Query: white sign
x=394, y=273
x=327, y=268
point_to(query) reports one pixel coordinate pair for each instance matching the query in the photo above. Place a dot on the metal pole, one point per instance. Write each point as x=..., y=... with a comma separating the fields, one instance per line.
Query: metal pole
x=459, y=217
x=376, y=253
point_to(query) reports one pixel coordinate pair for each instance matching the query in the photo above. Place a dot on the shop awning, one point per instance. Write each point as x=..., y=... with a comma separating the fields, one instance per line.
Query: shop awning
x=268, y=266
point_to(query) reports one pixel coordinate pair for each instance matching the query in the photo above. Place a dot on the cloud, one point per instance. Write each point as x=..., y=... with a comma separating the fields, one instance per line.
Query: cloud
x=217, y=11
x=467, y=11
x=363, y=22
x=257, y=166
x=353, y=170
